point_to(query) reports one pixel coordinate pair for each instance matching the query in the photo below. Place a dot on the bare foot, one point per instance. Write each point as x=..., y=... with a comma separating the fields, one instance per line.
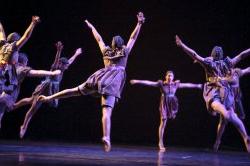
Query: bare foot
x=247, y=144
x=162, y=148
x=22, y=132
x=107, y=145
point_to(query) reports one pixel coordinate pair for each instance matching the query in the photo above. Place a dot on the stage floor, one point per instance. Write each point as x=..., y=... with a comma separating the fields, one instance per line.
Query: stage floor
x=55, y=154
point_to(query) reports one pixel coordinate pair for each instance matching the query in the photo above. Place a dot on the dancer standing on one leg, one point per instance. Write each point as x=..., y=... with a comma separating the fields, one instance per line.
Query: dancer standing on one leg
x=9, y=96
x=107, y=82
x=47, y=87
x=218, y=94
x=234, y=80
x=169, y=102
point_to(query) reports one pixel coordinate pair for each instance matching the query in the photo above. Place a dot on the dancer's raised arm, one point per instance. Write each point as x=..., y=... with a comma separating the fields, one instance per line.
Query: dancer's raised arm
x=2, y=33
x=97, y=36
x=240, y=56
x=188, y=50
x=245, y=71
x=43, y=73
x=134, y=34
x=59, y=48
x=190, y=85
x=77, y=53
x=28, y=32
x=145, y=82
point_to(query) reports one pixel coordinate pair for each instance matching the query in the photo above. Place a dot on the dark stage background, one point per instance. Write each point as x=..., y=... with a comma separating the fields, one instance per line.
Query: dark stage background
x=135, y=120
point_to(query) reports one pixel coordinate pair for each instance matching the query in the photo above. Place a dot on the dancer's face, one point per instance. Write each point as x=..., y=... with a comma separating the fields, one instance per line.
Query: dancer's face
x=169, y=77
x=217, y=53
x=63, y=66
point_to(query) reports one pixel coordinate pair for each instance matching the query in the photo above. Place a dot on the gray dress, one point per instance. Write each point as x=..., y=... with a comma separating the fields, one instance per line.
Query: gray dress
x=214, y=89
x=169, y=102
x=10, y=98
x=109, y=80
x=48, y=87
x=8, y=59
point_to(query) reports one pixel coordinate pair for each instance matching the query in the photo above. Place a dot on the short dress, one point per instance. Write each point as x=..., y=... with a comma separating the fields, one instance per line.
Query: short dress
x=169, y=102
x=215, y=89
x=8, y=60
x=10, y=99
x=48, y=87
x=110, y=80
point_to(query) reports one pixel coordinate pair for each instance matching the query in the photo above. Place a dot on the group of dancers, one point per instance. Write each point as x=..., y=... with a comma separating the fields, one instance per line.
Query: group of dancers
x=221, y=91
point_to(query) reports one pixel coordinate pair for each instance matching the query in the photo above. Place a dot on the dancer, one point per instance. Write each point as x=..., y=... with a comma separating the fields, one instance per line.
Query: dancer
x=234, y=79
x=107, y=82
x=47, y=87
x=218, y=94
x=169, y=102
x=9, y=95
x=9, y=52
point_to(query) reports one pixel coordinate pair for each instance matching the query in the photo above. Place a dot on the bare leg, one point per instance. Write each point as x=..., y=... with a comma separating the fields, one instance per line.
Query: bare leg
x=233, y=118
x=23, y=102
x=220, y=130
x=2, y=110
x=106, y=125
x=161, y=134
x=34, y=107
x=63, y=94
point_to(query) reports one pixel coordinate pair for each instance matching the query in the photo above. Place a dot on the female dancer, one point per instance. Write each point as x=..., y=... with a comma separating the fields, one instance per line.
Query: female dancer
x=9, y=52
x=47, y=87
x=218, y=94
x=234, y=80
x=169, y=102
x=9, y=95
x=107, y=82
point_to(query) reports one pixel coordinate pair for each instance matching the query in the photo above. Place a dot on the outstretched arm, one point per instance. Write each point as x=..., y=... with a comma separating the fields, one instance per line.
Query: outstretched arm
x=188, y=50
x=59, y=47
x=28, y=32
x=97, y=36
x=245, y=71
x=43, y=73
x=190, y=85
x=145, y=82
x=134, y=35
x=241, y=56
x=77, y=53
x=2, y=33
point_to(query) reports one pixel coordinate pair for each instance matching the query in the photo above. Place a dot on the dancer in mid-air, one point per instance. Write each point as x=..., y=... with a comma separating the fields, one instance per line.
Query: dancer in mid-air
x=107, y=82
x=217, y=93
x=9, y=95
x=233, y=78
x=169, y=102
x=47, y=87
x=9, y=53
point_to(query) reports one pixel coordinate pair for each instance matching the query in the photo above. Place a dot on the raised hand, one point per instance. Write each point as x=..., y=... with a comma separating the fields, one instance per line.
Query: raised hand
x=178, y=41
x=89, y=24
x=36, y=19
x=78, y=51
x=140, y=18
x=59, y=45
